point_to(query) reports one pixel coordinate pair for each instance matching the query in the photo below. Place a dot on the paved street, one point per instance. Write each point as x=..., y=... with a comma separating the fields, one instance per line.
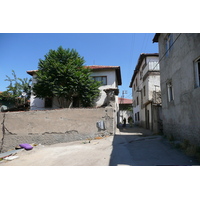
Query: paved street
x=139, y=147
x=129, y=147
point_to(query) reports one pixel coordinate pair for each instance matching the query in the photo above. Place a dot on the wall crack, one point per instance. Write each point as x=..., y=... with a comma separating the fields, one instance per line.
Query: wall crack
x=4, y=129
x=3, y=132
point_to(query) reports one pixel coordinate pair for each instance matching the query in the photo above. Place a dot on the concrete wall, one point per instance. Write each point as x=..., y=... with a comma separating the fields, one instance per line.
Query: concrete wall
x=54, y=126
x=180, y=116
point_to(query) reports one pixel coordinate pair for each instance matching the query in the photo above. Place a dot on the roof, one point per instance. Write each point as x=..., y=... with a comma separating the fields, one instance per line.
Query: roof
x=31, y=72
x=94, y=68
x=104, y=67
x=156, y=36
x=124, y=101
x=140, y=59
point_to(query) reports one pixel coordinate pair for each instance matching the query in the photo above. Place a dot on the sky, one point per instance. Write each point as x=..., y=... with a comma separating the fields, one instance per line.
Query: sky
x=21, y=51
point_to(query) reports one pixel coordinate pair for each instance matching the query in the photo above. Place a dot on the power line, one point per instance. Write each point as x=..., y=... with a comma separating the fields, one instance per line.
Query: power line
x=166, y=51
x=164, y=54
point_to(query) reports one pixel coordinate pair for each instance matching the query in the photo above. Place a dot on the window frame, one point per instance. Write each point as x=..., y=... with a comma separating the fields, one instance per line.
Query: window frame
x=137, y=101
x=170, y=91
x=197, y=72
x=95, y=77
x=144, y=91
x=168, y=43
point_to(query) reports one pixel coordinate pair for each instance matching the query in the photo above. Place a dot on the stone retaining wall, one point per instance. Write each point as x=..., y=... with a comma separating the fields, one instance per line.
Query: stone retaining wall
x=53, y=126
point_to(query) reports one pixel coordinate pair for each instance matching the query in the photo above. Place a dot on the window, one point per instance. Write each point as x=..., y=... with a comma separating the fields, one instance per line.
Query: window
x=102, y=79
x=138, y=116
x=170, y=91
x=141, y=74
x=168, y=43
x=137, y=101
x=136, y=82
x=48, y=102
x=197, y=72
x=144, y=91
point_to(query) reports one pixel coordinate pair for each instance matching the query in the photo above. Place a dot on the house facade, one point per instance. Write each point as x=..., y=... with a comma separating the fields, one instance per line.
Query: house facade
x=145, y=84
x=110, y=76
x=180, y=84
x=125, y=109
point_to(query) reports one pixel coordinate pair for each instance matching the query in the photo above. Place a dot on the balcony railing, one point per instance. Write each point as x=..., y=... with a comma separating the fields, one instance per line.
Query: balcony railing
x=151, y=66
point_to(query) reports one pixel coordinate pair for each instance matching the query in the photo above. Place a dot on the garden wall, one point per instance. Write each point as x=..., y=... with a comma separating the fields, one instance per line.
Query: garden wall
x=54, y=126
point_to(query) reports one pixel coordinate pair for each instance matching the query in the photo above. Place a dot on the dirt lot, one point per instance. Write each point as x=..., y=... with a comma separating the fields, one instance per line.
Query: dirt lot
x=79, y=153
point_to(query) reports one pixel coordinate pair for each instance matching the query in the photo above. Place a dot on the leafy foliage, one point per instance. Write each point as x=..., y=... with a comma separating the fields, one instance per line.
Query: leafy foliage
x=62, y=75
x=17, y=86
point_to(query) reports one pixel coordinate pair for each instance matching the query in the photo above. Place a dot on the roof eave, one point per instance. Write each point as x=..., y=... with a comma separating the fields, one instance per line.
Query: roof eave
x=156, y=36
x=140, y=59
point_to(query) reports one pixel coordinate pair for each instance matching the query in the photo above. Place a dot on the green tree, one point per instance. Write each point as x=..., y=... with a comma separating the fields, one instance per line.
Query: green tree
x=62, y=75
x=18, y=85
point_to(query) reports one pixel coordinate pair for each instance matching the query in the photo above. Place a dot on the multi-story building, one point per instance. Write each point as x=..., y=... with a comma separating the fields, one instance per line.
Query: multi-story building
x=180, y=84
x=145, y=84
x=109, y=76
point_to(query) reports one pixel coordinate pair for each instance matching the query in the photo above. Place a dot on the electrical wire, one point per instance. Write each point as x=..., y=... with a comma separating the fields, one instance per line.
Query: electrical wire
x=164, y=55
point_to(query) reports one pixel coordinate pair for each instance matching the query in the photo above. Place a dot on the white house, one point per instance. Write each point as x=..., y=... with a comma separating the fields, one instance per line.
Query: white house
x=110, y=76
x=145, y=84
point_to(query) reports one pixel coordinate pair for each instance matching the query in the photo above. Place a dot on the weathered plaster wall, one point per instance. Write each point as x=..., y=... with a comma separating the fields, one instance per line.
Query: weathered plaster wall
x=53, y=126
x=181, y=116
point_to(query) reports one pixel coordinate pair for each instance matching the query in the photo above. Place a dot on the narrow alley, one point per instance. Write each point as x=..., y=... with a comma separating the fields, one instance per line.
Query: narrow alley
x=139, y=147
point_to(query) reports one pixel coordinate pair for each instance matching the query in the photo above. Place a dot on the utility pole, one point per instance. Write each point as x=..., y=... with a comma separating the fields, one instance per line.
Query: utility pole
x=121, y=102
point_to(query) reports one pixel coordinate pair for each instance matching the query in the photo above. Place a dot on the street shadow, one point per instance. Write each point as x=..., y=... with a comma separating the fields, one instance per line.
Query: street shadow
x=134, y=146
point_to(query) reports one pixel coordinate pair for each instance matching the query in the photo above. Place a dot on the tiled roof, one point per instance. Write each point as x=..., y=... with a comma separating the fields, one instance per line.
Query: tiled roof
x=102, y=67
x=94, y=67
x=31, y=72
x=124, y=101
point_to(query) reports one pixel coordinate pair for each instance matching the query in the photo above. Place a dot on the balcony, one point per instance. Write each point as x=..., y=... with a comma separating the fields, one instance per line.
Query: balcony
x=151, y=66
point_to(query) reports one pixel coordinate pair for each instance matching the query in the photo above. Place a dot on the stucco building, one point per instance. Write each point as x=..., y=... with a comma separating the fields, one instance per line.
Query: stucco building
x=180, y=84
x=145, y=84
x=109, y=76
x=125, y=109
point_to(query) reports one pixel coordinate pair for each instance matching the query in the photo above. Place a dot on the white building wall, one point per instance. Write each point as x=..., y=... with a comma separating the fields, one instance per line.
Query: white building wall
x=145, y=77
x=38, y=104
x=111, y=83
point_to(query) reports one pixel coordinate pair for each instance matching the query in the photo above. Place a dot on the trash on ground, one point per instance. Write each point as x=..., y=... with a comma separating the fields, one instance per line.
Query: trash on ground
x=18, y=147
x=98, y=138
x=9, y=153
x=26, y=146
x=11, y=158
